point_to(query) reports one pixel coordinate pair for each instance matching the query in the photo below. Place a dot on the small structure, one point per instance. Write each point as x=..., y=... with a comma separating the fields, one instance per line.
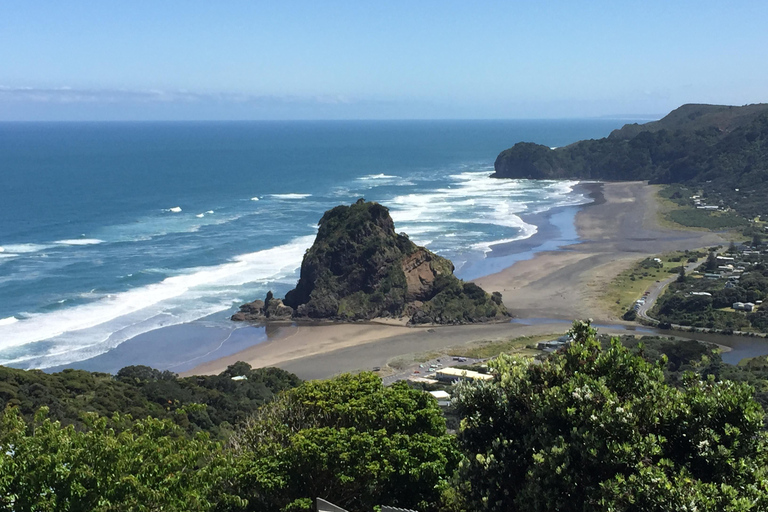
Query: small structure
x=239, y=377
x=324, y=506
x=743, y=306
x=457, y=374
x=443, y=398
x=702, y=294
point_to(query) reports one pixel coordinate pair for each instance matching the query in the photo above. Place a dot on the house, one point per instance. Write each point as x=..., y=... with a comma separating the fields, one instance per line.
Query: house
x=743, y=306
x=443, y=398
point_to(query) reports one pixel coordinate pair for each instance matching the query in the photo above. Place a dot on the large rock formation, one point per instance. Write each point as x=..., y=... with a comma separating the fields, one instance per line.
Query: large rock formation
x=360, y=269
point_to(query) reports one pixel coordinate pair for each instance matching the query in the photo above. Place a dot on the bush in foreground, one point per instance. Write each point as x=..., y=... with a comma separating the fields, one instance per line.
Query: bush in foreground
x=600, y=430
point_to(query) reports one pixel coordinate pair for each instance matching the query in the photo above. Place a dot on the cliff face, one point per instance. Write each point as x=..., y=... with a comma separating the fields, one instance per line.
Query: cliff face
x=358, y=268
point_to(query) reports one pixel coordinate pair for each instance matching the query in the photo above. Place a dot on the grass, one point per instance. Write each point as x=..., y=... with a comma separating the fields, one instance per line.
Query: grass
x=516, y=346
x=676, y=212
x=630, y=284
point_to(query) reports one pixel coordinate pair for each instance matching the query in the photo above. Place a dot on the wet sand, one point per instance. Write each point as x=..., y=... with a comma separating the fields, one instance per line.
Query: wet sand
x=620, y=227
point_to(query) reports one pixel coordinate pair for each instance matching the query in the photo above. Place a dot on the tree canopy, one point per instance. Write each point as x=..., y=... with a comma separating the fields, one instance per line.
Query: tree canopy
x=349, y=440
x=594, y=429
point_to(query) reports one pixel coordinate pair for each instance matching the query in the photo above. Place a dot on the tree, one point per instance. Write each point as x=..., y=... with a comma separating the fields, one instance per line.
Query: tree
x=681, y=274
x=595, y=430
x=349, y=440
x=146, y=465
x=711, y=264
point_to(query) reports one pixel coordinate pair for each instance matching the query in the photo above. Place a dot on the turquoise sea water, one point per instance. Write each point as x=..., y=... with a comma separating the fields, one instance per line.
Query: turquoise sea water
x=112, y=230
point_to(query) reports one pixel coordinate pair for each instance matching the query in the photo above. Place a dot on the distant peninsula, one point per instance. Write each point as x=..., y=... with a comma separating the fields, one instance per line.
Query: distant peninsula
x=359, y=268
x=719, y=149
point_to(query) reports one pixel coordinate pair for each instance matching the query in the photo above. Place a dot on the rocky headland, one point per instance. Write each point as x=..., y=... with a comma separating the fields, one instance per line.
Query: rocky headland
x=359, y=269
x=720, y=151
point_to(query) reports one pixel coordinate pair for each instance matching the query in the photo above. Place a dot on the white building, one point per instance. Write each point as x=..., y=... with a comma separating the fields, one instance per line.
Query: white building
x=455, y=374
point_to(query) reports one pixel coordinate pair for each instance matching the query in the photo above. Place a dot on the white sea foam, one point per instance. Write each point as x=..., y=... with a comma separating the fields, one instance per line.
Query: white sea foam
x=200, y=215
x=487, y=246
x=254, y=199
x=111, y=319
x=377, y=177
x=175, y=209
x=2, y=249
x=80, y=241
x=474, y=198
x=25, y=248
x=290, y=196
x=8, y=321
x=209, y=212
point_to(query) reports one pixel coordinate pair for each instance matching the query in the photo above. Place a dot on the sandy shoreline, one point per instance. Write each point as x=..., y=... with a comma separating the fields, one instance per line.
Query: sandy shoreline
x=619, y=227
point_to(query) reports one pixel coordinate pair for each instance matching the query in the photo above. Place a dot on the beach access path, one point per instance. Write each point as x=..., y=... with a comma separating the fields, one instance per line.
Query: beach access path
x=620, y=227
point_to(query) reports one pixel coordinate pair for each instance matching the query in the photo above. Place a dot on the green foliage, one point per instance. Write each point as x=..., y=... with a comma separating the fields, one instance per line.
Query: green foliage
x=458, y=303
x=350, y=440
x=594, y=429
x=132, y=466
x=142, y=391
x=696, y=218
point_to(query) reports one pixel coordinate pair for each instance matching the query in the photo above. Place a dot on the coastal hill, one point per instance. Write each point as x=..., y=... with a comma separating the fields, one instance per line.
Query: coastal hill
x=722, y=150
x=359, y=268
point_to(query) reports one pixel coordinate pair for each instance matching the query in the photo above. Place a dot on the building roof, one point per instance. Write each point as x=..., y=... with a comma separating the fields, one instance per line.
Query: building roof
x=440, y=395
x=461, y=373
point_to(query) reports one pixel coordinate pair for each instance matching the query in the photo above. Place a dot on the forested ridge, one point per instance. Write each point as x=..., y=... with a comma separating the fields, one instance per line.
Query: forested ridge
x=722, y=150
x=144, y=392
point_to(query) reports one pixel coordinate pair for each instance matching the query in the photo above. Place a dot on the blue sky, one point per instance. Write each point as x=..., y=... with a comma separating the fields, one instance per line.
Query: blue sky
x=180, y=60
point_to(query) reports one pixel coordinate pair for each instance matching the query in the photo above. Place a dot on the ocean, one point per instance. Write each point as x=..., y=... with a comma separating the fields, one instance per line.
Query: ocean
x=114, y=234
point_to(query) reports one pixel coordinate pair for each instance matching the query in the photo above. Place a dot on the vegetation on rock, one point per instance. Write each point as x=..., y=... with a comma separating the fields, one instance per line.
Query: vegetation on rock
x=359, y=268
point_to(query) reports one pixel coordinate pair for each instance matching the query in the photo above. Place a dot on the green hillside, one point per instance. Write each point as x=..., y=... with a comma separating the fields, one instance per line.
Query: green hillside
x=720, y=151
